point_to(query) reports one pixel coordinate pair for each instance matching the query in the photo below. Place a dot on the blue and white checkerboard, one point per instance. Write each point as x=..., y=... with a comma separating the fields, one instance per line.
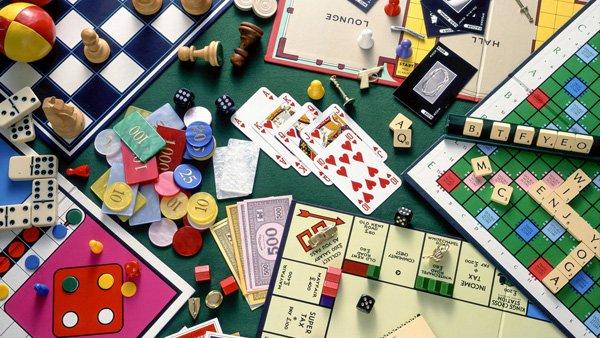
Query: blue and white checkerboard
x=141, y=48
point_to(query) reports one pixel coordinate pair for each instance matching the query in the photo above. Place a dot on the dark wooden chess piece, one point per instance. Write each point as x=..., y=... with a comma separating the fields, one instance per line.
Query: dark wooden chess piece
x=250, y=34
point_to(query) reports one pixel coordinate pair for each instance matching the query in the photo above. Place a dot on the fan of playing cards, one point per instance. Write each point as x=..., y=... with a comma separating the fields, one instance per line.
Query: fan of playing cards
x=329, y=144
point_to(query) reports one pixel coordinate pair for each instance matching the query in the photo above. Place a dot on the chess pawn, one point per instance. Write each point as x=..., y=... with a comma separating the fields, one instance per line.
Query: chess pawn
x=196, y=7
x=96, y=50
x=404, y=50
x=66, y=120
x=147, y=7
x=365, y=39
x=213, y=53
x=250, y=34
x=392, y=8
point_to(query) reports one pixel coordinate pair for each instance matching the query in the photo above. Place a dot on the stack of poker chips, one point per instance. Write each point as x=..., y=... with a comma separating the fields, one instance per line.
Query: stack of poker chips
x=200, y=142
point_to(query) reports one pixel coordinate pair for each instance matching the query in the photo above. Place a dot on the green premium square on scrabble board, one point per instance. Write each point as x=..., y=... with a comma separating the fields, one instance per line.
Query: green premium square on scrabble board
x=139, y=136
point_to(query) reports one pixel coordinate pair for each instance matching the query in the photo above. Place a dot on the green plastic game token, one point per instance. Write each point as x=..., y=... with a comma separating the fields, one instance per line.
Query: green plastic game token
x=74, y=216
x=70, y=284
x=139, y=136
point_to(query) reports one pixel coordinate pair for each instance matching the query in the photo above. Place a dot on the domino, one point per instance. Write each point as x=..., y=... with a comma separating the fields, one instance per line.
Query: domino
x=17, y=106
x=22, y=131
x=44, y=206
x=24, y=168
x=15, y=216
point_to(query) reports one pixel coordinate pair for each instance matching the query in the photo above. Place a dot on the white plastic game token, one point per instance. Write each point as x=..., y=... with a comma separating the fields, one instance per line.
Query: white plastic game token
x=107, y=142
x=161, y=232
x=197, y=114
x=243, y=5
x=264, y=8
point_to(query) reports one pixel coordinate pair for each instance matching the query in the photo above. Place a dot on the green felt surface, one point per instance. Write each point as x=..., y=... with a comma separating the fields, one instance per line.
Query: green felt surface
x=375, y=108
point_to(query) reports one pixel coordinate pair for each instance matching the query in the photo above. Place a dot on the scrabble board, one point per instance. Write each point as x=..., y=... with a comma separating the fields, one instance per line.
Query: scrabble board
x=142, y=47
x=392, y=265
x=508, y=40
x=160, y=291
x=555, y=89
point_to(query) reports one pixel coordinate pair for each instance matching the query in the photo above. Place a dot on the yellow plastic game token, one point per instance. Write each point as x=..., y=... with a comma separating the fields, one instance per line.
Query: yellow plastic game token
x=118, y=196
x=96, y=247
x=174, y=207
x=106, y=281
x=202, y=208
x=4, y=290
x=128, y=289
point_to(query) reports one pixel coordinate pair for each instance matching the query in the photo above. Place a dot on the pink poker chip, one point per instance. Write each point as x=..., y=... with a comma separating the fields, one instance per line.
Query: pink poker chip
x=165, y=185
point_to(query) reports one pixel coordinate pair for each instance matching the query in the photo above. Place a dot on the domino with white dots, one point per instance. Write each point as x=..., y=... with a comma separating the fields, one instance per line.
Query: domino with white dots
x=22, y=131
x=15, y=216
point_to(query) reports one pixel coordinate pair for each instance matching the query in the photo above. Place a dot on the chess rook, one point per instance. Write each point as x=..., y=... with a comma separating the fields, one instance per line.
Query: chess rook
x=95, y=49
x=196, y=7
x=250, y=34
x=212, y=53
x=147, y=7
x=66, y=120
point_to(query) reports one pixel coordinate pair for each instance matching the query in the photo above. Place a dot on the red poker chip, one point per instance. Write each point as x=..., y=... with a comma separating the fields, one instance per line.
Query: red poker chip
x=187, y=241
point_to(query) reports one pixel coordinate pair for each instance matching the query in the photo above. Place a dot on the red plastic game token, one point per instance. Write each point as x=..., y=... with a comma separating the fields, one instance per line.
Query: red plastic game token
x=165, y=185
x=187, y=241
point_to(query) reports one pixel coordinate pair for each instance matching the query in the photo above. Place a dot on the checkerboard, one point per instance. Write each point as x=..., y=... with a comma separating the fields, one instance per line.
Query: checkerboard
x=141, y=48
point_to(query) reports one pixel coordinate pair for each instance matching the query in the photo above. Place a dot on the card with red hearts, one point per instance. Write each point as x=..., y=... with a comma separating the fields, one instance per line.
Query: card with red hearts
x=358, y=172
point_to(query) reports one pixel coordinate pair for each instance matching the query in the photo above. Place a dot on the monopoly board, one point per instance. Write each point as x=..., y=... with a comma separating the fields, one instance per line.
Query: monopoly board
x=141, y=48
x=393, y=265
x=160, y=292
x=508, y=39
x=557, y=88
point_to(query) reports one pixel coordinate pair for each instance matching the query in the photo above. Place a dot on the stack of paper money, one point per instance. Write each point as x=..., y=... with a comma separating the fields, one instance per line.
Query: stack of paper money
x=249, y=240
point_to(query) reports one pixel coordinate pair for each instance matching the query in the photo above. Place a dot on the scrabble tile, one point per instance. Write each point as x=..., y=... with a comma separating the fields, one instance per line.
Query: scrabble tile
x=564, y=141
x=25, y=168
x=139, y=136
x=400, y=122
x=579, y=228
x=501, y=193
x=538, y=191
x=44, y=202
x=547, y=138
x=566, y=216
x=555, y=281
x=500, y=131
x=473, y=127
x=568, y=267
x=17, y=106
x=582, y=254
x=402, y=138
x=583, y=144
x=552, y=202
x=524, y=135
x=593, y=242
x=580, y=179
x=568, y=190
x=481, y=166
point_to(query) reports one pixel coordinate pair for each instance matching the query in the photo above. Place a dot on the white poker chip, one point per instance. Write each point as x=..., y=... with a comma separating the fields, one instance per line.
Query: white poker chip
x=161, y=232
x=107, y=142
x=264, y=8
x=244, y=5
x=115, y=158
x=197, y=114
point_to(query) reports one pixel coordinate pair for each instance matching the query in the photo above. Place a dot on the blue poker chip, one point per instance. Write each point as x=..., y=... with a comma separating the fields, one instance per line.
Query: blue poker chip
x=186, y=155
x=59, y=231
x=198, y=134
x=187, y=177
x=199, y=153
x=32, y=262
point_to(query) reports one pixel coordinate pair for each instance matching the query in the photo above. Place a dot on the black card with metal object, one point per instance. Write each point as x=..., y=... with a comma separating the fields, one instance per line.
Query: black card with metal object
x=454, y=12
x=434, y=84
x=363, y=5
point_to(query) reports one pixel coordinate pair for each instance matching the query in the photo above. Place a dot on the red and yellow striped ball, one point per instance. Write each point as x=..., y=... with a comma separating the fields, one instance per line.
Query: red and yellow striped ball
x=27, y=32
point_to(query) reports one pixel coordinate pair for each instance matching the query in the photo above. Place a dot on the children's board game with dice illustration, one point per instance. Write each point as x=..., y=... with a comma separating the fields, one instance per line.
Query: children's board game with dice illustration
x=405, y=282
x=85, y=291
x=546, y=236
x=508, y=38
x=141, y=48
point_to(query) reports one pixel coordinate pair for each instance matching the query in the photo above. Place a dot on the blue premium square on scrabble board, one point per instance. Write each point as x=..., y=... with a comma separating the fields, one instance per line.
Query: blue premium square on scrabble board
x=587, y=53
x=526, y=230
x=575, y=87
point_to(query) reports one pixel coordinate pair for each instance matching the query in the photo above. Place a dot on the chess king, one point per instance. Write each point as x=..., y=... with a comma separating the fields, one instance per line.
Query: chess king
x=67, y=121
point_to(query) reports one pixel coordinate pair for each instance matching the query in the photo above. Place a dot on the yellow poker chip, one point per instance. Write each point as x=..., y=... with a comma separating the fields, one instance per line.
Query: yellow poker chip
x=128, y=289
x=106, y=281
x=174, y=207
x=202, y=208
x=4, y=291
x=118, y=196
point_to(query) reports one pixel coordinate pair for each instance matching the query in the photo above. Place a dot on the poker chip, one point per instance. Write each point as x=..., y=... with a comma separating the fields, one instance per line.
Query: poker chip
x=202, y=208
x=213, y=299
x=165, y=185
x=198, y=134
x=118, y=196
x=59, y=231
x=116, y=158
x=187, y=156
x=197, y=114
x=4, y=291
x=187, y=241
x=128, y=289
x=187, y=176
x=200, y=227
x=107, y=142
x=244, y=5
x=264, y=8
x=32, y=262
x=202, y=153
x=161, y=232
x=174, y=207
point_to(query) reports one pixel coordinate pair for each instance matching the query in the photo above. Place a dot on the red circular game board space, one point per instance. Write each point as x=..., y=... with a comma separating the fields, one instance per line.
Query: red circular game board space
x=31, y=235
x=4, y=264
x=16, y=250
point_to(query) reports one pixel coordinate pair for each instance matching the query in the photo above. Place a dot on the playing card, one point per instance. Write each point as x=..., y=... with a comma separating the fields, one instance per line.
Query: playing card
x=358, y=172
x=272, y=118
x=364, y=5
x=245, y=117
x=289, y=135
x=465, y=15
x=327, y=127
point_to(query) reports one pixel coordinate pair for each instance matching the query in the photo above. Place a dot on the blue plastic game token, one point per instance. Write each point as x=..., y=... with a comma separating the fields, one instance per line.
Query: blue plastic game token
x=199, y=153
x=187, y=176
x=198, y=134
x=32, y=262
x=59, y=231
x=41, y=289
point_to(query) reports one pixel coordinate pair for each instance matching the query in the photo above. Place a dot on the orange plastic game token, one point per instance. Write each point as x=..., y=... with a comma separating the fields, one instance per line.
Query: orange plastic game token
x=187, y=241
x=96, y=246
x=165, y=185
x=128, y=289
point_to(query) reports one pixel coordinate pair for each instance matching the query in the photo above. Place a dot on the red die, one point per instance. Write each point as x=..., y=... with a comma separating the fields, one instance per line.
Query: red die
x=132, y=269
x=229, y=285
x=202, y=273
